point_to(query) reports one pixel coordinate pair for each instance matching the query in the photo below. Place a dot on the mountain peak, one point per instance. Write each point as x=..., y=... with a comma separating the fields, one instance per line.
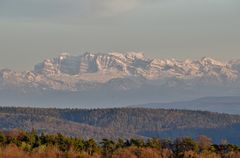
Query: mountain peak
x=138, y=55
x=64, y=55
x=207, y=60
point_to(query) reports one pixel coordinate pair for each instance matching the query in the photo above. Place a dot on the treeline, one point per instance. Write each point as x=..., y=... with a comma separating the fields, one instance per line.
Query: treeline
x=21, y=144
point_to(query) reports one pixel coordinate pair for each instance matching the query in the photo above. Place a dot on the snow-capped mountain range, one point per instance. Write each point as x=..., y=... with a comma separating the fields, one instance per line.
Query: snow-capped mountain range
x=136, y=64
x=125, y=72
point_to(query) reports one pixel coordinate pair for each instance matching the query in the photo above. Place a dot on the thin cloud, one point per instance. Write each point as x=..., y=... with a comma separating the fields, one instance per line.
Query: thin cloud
x=113, y=7
x=65, y=8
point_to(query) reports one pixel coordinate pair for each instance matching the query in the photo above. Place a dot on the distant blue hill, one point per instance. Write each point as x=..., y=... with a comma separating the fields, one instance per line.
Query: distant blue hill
x=224, y=104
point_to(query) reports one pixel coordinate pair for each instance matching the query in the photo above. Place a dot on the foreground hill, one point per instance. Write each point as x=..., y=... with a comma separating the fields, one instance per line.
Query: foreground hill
x=130, y=78
x=124, y=122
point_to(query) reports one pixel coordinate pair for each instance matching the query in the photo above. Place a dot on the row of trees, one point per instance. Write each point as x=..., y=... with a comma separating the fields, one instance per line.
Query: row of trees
x=18, y=143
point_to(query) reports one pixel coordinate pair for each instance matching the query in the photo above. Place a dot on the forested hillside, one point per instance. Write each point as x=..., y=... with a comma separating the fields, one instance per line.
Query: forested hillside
x=123, y=123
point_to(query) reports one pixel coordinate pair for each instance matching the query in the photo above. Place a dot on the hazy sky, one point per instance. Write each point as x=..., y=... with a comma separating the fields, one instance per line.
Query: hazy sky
x=31, y=30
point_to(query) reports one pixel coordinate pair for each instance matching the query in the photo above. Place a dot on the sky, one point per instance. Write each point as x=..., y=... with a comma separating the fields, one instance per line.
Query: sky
x=32, y=30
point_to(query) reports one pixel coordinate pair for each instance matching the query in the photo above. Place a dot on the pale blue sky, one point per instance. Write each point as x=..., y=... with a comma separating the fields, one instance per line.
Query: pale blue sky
x=31, y=30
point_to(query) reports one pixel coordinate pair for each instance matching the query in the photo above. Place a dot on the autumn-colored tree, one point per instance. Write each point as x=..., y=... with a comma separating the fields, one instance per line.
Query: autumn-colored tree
x=108, y=147
x=2, y=139
x=204, y=142
x=182, y=145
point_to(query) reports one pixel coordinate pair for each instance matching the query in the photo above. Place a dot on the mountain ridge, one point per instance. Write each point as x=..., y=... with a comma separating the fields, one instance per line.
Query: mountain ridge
x=104, y=67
